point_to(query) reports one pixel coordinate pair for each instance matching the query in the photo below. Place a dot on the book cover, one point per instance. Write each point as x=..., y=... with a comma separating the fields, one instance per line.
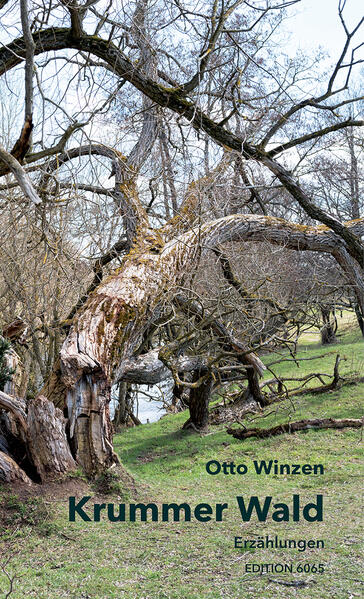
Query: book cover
x=182, y=299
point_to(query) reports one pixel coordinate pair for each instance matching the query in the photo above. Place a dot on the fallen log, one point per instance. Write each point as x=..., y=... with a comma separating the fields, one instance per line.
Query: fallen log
x=293, y=427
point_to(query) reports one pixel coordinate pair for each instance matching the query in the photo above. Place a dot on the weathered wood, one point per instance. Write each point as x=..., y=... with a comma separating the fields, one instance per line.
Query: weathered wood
x=47, y=441
x=16, y=407
x=25, y=182
x=10, y=471
x=148, y=369
x=110, y=326
x=16, y=331
x=293, y=427
x=13, y=363
x=90, y=427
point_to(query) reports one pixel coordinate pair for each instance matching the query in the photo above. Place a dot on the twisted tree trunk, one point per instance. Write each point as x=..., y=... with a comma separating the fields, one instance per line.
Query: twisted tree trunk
x=109, y=327
x=111, y=324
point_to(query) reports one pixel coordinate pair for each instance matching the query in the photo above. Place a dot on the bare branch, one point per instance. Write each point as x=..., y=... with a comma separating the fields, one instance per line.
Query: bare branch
x=314, y=135
x=29, y=60
x=23, y=179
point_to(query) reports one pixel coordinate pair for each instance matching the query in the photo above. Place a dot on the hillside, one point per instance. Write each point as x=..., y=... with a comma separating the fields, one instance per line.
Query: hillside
x=174, y=560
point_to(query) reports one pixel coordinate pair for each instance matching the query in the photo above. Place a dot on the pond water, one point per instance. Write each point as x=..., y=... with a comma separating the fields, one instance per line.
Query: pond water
x=148, y=406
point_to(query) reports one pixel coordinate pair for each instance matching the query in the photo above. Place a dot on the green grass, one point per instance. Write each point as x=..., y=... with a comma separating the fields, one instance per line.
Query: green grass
x=197, y=560
x=346, y=320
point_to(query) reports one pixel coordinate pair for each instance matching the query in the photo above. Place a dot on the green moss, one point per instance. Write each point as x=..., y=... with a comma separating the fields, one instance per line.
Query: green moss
x=108, y=308
x=100, y=331
x=125, y=317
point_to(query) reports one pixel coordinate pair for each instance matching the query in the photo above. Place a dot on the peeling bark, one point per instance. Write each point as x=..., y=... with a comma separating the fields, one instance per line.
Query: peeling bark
x=16, y=407
x=39, y=432
x=110, y=326
x=10, y=471
x=89, y=423
x=47, y=441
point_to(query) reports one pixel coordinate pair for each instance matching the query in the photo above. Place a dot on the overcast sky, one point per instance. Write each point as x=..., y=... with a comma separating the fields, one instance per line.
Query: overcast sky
x=317, y=23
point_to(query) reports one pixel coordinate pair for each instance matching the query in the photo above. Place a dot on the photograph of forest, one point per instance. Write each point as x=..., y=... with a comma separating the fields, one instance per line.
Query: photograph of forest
x=181, y=299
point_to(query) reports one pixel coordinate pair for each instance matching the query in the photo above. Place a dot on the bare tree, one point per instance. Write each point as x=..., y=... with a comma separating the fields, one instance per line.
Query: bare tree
x=253, y=110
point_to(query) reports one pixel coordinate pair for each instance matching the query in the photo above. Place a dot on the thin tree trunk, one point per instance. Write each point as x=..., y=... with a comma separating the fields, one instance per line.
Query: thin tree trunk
x=328, y=329
x=122, y=414
x=354, y=176
x=360, y=317
x=199, y=403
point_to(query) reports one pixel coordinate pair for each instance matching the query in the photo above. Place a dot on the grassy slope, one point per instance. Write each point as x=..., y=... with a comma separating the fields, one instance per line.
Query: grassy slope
x=198, y=560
